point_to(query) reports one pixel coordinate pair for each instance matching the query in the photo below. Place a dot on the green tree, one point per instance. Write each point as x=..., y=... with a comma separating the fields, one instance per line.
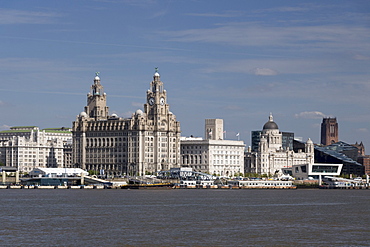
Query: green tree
x=93, y=172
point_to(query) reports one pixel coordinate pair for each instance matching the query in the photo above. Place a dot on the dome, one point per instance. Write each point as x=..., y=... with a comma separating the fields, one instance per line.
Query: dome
x=97, y=78
x=270, y=125
x=156, y=74
x=139, y=112
x=309, y=141
x=83, y=114
x=114, y=115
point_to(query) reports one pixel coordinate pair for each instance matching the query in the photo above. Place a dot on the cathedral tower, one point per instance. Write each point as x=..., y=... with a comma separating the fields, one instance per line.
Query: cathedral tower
x=329, y=131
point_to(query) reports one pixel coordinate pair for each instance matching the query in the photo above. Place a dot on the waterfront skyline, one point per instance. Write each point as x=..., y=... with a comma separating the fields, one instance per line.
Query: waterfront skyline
x=236, y=60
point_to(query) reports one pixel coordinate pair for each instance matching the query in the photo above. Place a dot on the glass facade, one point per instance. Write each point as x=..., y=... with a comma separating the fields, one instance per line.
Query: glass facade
x=288, y=138
x=256, y=137
x=324, y=169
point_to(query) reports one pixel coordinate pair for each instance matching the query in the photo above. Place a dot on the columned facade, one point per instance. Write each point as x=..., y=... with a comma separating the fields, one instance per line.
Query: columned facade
x=147, y=142
x=213, y=155
x=28, y=147
x=271, y=156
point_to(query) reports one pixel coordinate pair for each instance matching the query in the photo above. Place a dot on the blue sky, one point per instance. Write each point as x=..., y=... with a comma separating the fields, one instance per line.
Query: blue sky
x=235, y=60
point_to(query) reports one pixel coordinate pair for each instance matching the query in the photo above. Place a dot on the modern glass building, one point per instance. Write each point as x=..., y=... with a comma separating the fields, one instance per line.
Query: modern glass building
x=340, y=153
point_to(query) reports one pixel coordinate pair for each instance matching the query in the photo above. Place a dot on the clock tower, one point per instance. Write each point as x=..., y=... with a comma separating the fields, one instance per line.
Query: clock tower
x=162, y=129
x=156, y=107
x=147, y=142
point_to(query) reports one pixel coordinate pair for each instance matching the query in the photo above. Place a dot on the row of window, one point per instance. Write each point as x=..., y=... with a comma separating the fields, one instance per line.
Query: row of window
x=216, y=162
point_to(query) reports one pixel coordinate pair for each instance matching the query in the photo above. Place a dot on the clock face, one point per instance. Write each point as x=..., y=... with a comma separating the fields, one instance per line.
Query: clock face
x=162, y=101
x=151, y=101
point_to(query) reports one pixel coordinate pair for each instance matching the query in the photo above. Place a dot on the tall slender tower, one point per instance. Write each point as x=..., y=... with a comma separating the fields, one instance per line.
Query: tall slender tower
x=329, y=131
x=161, y=129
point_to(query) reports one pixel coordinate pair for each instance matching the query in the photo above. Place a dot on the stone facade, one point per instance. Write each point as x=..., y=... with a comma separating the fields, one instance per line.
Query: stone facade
x=360, y=147
x=213, y=155
x=214, y=129
x=28, y=147
x=271, y=156
x=147, y=142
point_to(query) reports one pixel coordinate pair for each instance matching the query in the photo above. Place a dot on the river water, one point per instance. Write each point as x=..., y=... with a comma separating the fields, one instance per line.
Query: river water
x=198, y=217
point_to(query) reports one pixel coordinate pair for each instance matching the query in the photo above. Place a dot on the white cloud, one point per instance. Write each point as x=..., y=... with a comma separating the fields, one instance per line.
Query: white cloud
x=283, y=9
x=279, y=65
x=362, y=130
x=316, y=37
x=127, y=114
x=225, y=14
x=361, y=57
x=4, y=127
x=137, y=104
x=264, y=71
x=310, y=115
x=12, y=16
x=233, y=108
x=137, y=3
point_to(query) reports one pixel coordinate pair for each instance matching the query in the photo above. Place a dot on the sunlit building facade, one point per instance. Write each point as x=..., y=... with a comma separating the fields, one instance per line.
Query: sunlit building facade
x=28, y=147
x=147, y=142
x=213, y=155
x=273, y=155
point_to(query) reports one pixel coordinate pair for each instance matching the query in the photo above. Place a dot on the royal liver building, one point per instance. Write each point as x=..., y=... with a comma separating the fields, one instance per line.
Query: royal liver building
x=147, y=142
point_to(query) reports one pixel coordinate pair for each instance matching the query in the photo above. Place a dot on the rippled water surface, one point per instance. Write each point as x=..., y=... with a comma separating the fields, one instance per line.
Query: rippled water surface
x=184, y=217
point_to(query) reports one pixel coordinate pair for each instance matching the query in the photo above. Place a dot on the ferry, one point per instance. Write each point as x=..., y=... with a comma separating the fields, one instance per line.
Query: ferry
x=342, y=183
x=261, y=184
x=235, y=184
x=195, y=184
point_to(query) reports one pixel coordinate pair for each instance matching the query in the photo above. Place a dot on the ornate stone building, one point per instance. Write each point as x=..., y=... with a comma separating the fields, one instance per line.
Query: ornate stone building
x=147, y=142
x=213, y=155
x=271, y=156
x=28, y=147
